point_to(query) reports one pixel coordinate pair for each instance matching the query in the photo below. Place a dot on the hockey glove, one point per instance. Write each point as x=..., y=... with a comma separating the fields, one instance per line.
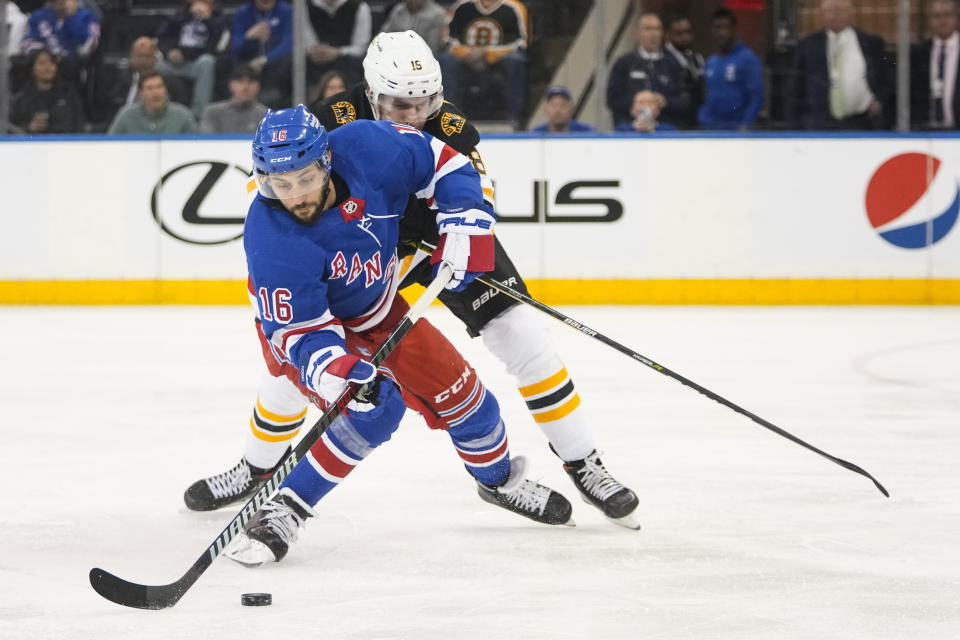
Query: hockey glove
x=350, y=369
x=466, y=244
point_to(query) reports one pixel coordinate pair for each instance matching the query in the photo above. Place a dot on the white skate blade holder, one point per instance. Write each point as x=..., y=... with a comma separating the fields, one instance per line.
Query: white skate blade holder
x=248, y=552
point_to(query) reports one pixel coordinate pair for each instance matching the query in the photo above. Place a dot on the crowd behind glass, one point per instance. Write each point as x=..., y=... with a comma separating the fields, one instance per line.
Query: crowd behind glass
x=215, y=66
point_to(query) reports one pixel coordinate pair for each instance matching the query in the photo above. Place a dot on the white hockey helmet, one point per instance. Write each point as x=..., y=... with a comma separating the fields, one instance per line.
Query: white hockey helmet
x=400, y=65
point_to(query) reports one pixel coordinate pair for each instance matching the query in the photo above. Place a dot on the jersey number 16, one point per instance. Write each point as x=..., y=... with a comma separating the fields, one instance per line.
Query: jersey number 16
x=280, y=309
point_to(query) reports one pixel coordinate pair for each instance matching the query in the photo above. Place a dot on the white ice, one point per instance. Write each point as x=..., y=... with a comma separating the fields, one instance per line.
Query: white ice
x=109, y=413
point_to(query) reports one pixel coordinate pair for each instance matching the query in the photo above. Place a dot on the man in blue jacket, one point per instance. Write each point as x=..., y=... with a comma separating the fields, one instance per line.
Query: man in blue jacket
x=262, y=37
x=64, y=28
x=734, y=79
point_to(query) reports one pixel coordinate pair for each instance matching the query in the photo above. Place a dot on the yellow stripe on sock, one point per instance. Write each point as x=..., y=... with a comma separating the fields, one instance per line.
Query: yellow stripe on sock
x=272, y=437
x=560, y=412
x=276, y=417
x=544, y=385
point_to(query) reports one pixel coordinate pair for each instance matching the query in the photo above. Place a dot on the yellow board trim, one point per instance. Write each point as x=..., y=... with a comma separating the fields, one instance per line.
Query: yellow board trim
x=270, y=437
x=96, y=292
x=544, y=385
x=560, y=412
x=551, y=292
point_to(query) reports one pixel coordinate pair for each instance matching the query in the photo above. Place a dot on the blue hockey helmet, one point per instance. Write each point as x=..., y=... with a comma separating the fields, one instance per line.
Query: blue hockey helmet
x=290, y=141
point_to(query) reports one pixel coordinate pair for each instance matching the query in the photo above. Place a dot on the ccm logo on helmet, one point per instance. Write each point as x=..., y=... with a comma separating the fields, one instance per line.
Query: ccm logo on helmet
x=283, y=159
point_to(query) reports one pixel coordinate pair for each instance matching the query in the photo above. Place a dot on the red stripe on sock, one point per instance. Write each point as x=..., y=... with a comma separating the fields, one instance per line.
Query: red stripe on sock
x=329, y=460
x=479, y=458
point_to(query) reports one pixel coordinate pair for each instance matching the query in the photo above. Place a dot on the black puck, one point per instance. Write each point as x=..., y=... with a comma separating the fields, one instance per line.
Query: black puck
x=256, y=599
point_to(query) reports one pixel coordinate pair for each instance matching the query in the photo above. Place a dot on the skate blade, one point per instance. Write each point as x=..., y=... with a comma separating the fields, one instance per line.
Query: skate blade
x=629, y=521
x=249, y=553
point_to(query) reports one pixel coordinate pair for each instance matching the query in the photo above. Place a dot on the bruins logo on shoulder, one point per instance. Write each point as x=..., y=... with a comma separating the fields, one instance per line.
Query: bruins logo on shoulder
x=451, y=123
x=344, y=112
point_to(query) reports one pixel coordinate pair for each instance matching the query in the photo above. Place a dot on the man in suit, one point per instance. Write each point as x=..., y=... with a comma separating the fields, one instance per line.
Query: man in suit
x=934, y=92
x=841, y=77
x=649, y=68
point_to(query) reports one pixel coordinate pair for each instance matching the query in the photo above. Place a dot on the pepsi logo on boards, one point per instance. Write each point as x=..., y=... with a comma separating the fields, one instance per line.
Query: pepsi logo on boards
x=912, y=200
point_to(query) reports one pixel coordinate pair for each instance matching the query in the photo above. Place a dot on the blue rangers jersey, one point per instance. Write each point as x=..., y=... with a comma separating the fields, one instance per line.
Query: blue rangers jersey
x=309, y=281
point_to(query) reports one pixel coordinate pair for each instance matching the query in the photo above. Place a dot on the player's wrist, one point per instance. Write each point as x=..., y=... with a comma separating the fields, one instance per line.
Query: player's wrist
x=468, y=222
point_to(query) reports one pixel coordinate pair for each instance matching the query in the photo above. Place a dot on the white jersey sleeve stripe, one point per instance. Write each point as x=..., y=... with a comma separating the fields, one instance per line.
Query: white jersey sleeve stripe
x=447, y=161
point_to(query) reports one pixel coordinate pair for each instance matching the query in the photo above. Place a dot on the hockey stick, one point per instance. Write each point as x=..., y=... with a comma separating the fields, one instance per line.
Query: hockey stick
x=513, y=293
x=130, y=594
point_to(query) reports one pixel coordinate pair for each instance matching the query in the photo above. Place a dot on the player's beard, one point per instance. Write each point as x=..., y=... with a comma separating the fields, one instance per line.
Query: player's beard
x=307, y=213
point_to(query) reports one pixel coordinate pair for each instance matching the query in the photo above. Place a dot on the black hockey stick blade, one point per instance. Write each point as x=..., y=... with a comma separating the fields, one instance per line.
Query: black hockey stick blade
x=596, y=335
x=139, y=596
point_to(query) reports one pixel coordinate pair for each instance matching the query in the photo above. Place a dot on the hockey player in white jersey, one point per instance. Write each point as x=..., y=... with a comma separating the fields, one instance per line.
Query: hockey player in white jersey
x=412, y=94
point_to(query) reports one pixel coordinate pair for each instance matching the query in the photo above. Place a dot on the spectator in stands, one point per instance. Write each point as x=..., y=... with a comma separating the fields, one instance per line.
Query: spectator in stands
x=425, y=17
x=647, y=68
x=262, y=37
x=559, y=111
x=46, y=104
x=143, y=59
x=16, y=22
x=69, y=32
x=680, y=46
x=155, y=114
x=332, y=82
x=242, y=112
x=486, y=36
x=63, y=28
x=191, y=40
x=841, y=78
x=341, y=31
x=734, y=79
x=934, y=76
x=644, y=113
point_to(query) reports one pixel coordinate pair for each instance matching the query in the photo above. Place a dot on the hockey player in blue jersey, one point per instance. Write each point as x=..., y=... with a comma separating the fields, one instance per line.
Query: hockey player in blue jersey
x=320, y=239
x=403, y=84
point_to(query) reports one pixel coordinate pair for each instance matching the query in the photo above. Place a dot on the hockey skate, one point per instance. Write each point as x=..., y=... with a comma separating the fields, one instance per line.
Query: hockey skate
x=272, y=530
x=599, y=488
x=528, y=498
x=234, y=485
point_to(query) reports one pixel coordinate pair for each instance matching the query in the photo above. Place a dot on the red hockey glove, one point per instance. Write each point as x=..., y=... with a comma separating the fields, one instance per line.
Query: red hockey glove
x=466, y=244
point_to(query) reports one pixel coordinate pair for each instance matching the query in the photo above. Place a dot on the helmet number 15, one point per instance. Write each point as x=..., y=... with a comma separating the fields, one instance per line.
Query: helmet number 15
x=276, y=306
x=415, y=65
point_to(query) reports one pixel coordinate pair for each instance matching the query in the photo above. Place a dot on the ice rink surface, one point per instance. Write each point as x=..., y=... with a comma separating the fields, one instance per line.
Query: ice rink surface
x=112, y=412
